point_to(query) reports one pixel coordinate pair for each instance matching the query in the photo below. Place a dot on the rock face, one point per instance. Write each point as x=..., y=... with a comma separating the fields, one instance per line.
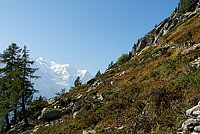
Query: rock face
x=50, y=114
x=163, y=28
x=193, y=123
x=195, y=47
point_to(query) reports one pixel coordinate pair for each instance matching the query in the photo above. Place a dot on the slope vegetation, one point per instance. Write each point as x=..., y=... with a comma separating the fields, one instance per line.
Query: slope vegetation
x=148, y=93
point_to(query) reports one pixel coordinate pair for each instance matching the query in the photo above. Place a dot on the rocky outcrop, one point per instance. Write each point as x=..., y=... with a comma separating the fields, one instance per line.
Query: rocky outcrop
x=195, y=47
x=193, y=123
x=163, y=28
x=50, y=114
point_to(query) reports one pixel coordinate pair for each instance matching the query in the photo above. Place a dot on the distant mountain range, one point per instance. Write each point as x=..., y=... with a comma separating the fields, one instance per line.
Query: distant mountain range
x=55, y=77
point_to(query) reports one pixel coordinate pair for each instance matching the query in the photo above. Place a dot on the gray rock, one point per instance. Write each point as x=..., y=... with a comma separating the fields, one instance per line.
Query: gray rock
x=197, y=128
x=194, y=133
x=197, y=46
x=196, y=63
x=76, y=107
x=193, y=112
x=89, y=132
x=75, y=114
x=189, y=124
x=52, y=101
x=79, y=96
x=94, y=85
x=99, y=97
x=112, y=82
x=50, y=114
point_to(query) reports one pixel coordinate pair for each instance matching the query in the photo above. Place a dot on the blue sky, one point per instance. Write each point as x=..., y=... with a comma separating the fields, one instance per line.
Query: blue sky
x=88, y=34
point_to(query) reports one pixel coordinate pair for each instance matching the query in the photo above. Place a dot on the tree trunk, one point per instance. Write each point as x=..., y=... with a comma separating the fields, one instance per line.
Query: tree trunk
x=24, y=110
x=7, y=123
x=15, y=117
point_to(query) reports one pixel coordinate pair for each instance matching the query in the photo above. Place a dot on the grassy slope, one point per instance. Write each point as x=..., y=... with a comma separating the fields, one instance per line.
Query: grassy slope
x=151, y=97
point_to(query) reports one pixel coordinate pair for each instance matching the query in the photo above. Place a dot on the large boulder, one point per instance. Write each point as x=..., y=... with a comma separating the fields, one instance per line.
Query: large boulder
x=50, y=114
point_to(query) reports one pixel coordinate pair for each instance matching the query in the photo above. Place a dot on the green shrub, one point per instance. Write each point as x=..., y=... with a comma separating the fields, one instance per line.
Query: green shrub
x=123, y=59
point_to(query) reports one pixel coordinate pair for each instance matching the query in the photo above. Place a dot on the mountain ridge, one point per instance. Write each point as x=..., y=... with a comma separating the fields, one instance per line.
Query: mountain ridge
x=55, y=77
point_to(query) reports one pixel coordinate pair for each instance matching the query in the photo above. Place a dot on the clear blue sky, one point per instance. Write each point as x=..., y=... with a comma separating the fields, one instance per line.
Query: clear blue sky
x=88, y=34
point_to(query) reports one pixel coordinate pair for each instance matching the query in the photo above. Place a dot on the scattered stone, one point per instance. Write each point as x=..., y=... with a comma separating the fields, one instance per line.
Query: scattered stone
x=75, y=114
x=194, y=133
x=112, y=82
x=196, y=63
x=52, y=101
x=197, y=128
x=47, y=125
x=79, y=96
x=189, y=124
x=193, y=112
x=120, y=128
x=94, y=85
x=76, y=107
x=99, y=97
x=89, y=132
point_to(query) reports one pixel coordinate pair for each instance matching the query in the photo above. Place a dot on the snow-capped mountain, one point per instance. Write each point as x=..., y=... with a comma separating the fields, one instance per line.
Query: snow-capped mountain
x=55, y=77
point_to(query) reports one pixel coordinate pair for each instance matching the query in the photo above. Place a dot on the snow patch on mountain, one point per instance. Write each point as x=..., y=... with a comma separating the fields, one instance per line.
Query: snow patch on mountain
x=55, y=77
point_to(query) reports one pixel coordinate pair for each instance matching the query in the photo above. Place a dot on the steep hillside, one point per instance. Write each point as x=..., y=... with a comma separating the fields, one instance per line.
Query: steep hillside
x=146, y=93
x=180, y=27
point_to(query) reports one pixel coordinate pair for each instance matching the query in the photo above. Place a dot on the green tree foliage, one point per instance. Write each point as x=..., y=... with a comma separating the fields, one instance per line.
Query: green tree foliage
x=111, y=65
x=123, y=59
x=77, y=82
x=98, y=74
x=187, y=5
x=16, y=88
x=27, y=88
x=9, y=88
x=2, y=125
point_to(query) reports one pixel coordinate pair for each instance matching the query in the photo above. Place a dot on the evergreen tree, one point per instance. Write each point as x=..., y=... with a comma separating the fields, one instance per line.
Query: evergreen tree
x=77, y=82
x=98, y=74
x=27, y=88
x=123, y=59
x=2, y=125
x=8, y=83
x=111, y=65
x=16, y=88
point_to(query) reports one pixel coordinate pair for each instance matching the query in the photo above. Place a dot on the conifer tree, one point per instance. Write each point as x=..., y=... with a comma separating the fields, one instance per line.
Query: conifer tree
x=8, y=85
x=16, y=88
x=27, y=88
x=98, y=74
x=77, y=82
